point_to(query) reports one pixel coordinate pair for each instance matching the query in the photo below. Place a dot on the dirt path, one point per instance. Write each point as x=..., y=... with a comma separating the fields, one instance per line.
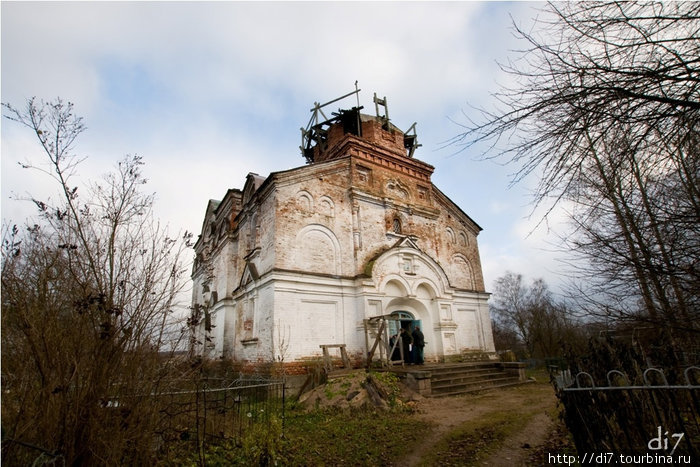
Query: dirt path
x=516, y=449
x=530, y=401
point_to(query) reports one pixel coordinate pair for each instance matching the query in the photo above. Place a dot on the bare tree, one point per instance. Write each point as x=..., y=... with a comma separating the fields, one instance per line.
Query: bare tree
x=88, y=295
x=509, y=306
x=528, y=316
x=606, y=113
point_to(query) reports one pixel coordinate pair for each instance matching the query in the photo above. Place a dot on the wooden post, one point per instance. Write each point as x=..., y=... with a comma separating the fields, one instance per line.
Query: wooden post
x=344, y=356
x=374, y=347
x=366, y=323
x=327, y=364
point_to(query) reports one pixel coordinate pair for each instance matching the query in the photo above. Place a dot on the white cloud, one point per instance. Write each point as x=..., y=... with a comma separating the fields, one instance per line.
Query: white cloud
x=498, y=207
x=531, y=247
x=209, y=91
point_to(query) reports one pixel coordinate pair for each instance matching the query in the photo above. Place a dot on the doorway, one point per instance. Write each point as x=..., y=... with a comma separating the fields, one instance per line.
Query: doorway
x=403, y=320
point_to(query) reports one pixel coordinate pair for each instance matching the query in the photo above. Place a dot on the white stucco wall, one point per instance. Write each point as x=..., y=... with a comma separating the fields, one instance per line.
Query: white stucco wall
x=312, y=253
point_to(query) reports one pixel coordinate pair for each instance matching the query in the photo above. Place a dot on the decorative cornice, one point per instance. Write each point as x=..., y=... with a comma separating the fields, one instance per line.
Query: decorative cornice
x=361, y=149
x=357, y=194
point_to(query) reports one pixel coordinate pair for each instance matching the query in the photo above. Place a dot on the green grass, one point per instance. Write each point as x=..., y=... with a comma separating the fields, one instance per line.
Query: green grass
x=333, y=437
x=364, y=437
x=318, y=438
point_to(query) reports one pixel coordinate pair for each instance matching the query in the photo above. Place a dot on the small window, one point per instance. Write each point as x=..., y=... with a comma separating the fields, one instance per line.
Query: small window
x=422, y=193
x=363, y=174
x=207, y=320
x=305, y=201
x=397, y=225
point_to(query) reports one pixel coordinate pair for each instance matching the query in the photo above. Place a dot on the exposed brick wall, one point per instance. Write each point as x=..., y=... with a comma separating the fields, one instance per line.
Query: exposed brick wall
x=299, y=243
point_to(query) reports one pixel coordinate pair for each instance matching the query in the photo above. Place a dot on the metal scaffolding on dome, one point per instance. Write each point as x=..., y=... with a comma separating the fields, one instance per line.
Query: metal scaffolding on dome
x=316, y=131
x=315, y=134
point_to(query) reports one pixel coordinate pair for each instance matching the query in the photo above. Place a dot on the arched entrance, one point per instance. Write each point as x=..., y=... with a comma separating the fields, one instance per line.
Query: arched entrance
x=409, y=313
x=402, y=319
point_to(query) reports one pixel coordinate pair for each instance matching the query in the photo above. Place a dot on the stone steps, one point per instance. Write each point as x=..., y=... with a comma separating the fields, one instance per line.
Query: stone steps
x=446, y=381
x=450, y=380
x=464, y=374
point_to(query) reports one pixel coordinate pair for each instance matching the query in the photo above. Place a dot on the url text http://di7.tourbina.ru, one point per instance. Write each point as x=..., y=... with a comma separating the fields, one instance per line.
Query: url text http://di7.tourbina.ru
x=661, y=451
x=610, y=458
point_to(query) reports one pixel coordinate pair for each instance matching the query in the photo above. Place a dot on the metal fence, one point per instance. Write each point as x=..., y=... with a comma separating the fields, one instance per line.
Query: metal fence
x=190, y=416
x=621, y=416
x=219, y=411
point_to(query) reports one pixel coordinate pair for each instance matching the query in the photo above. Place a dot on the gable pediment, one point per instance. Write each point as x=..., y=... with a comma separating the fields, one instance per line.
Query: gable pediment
x=407, y=242
x=250, y=274
x=252, y=183
x=406, y=263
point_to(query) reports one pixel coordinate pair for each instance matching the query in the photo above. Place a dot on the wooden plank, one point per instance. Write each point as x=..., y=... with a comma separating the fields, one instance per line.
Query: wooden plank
x=344, y=356
x=376, y=342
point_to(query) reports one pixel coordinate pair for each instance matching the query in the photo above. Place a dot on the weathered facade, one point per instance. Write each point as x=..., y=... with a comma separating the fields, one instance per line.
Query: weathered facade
x=304, y=257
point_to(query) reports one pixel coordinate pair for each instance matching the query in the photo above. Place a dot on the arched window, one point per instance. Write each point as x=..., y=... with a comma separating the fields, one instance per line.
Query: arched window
x=397, y=225
x=463, y=239
x=450, y=235
x=402, y=315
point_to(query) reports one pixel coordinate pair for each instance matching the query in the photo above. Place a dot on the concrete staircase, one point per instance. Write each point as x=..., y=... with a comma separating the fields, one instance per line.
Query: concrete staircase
x=462, y=378
x=449, y=379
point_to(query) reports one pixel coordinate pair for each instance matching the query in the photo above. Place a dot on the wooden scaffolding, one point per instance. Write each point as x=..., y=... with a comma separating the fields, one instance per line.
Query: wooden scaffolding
x=377, y=333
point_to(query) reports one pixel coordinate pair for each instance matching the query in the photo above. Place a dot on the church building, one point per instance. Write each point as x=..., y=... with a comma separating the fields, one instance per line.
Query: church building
x=322, y=253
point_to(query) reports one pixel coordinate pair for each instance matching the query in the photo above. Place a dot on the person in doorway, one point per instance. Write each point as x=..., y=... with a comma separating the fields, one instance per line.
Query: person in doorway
x=418, y=344
x=406, y=342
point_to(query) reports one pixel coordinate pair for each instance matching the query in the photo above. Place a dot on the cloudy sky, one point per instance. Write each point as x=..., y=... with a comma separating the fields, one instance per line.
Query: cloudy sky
x=208, y=92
